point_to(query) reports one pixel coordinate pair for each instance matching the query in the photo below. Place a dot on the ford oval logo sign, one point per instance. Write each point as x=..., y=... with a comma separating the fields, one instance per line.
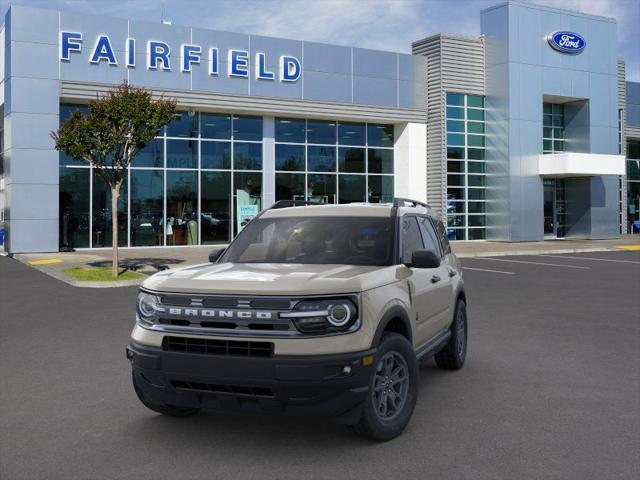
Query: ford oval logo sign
x=567, y=42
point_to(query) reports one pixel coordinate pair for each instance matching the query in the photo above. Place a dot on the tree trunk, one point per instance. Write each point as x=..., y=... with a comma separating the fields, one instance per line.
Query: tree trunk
x=115, y=193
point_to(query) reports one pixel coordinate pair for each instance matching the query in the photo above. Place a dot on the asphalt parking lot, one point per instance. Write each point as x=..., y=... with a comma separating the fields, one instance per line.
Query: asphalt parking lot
x=551, y=389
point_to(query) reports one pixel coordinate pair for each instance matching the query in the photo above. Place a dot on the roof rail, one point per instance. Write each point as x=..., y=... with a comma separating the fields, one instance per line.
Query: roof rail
x=400, y=202
x=292, y=203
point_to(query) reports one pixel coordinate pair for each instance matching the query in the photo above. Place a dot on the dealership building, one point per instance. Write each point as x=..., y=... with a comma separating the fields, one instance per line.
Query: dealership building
x=525, y=133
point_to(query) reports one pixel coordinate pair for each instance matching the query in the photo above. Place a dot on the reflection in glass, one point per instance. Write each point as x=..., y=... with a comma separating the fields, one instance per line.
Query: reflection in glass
x=182, y=207
x=380, y=161
x=247, y=156
x=152, y=155
x=215, y=207
x=455, y=98
x=321, y=188
x=290, y=130
x=321, y=159
x=184, y=124
x=380, y=189
x=352, y=188
x=146, y=207
x=290, y=157
x=351, y=160
x=290, y=186
x=247, y=128
x=351, y=133
x=320, y=131
x=74, y=207
x=215, y=126
x=215, y=155
x=182, y=153
x=66, y=109
x=379, y=135
x=101, y=216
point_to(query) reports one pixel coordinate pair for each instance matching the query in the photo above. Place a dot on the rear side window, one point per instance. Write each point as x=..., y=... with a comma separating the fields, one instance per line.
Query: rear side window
x=429, y=235
x=442, y=235
x=411, y=238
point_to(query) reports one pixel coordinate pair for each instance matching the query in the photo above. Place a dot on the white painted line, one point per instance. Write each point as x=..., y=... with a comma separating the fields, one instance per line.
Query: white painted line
x=485, y=270
x=591, y=258
x=533, y=263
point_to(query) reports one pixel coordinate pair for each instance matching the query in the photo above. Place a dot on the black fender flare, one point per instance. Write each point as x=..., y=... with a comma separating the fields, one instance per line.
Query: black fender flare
x=395, y=311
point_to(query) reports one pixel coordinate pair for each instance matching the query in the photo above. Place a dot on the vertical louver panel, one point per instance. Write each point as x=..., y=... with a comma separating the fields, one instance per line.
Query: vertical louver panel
x=454, y=64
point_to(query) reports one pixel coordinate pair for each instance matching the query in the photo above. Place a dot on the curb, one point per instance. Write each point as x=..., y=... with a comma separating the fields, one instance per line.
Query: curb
x=81, y=284
x=536, y=252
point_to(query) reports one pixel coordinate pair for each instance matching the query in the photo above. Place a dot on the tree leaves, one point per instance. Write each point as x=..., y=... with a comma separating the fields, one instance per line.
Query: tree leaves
x=117, y=126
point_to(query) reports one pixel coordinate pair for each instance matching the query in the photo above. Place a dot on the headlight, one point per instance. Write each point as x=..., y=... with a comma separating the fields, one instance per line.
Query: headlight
x=146, y=308
x=324, y=316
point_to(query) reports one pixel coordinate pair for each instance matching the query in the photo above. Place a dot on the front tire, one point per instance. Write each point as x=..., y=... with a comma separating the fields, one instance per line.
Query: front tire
x=453, y=355
x=393, y=390
x=165, y=409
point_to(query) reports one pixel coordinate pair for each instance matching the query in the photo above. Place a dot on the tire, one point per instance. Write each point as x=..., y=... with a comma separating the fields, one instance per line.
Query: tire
x=385, y=415
x=165, y=409
x=453, y=355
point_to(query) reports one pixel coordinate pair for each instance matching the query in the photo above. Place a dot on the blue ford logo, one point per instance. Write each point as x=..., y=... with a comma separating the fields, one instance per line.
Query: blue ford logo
x=567, y=42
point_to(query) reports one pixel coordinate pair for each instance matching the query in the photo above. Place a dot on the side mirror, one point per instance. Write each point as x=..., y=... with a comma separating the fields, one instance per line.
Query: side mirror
x=424, y=259
x=215, y=254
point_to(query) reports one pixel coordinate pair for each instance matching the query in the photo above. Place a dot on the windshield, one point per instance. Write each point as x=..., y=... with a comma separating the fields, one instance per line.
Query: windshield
x=317, y=240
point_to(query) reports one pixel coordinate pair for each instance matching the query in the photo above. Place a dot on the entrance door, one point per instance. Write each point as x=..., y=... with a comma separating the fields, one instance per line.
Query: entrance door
x=555, y=208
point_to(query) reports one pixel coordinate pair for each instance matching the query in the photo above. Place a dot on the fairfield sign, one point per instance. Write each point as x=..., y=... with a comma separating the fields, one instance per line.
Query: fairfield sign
x=159, y=56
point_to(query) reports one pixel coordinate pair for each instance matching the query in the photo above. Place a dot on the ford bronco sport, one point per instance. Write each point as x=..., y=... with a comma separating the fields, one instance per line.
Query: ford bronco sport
x=316, y=310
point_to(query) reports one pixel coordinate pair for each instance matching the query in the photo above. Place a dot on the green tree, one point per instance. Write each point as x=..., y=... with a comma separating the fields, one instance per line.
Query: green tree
x=117, y=126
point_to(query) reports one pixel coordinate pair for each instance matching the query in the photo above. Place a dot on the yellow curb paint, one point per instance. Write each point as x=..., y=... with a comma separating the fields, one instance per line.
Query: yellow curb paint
x=47, y=261
x=628, y=247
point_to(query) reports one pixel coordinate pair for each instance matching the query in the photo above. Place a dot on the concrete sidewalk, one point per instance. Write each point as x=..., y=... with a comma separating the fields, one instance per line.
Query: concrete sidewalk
x=53, y=263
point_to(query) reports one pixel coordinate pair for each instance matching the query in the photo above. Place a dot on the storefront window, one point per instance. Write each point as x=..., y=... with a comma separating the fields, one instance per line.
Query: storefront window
x=247, y=191
x=247, y=128
x=215, y=155
x=354, y=162
x=290, y=130
x=633, y=185
x=185, y=124
x=152, y=155
x=66, y=109
x=247, y=156
x=101, y=227
x=182, y=154
x=215, y=126
x=552, y=128
x=215, y=207
x=147, y=193
x=74, y=207
x=182, y=207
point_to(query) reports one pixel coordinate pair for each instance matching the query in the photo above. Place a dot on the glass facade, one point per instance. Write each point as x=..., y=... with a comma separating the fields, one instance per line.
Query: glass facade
x=552, y=128
x=465, y=130
x=183, y=188
x=333, y=162
x=633, y=184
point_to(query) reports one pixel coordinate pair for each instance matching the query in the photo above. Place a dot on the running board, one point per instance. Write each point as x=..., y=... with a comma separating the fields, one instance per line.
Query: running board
x=433, y=346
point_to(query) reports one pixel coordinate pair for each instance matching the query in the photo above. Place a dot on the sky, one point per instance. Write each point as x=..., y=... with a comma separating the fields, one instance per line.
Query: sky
x=378, y=24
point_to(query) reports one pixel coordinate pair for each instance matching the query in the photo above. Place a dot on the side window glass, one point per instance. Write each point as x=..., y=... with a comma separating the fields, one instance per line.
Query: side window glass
x=429, y=235
x=442, y=235
x=411, y=238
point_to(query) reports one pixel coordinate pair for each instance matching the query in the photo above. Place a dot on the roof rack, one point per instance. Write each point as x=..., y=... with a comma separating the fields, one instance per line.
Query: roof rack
x=293, y=203
x=400, y=202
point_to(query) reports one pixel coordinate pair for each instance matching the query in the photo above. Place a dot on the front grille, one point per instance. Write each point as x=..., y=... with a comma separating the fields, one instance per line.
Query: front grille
x=229, y=389
x=217, y=347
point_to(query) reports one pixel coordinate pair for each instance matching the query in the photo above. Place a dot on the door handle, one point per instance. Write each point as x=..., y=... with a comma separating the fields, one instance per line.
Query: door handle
x=435, y=279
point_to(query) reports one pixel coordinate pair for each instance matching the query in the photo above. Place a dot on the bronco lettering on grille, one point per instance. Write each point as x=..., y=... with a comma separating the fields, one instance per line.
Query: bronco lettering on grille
x=214, y=313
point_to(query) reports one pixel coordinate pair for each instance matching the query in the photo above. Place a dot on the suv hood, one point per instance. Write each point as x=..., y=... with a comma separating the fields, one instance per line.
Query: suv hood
x=271, y=279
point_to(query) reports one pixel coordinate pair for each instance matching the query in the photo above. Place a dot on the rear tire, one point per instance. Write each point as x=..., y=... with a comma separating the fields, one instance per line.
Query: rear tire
x=165, y=409
x=393, y=390
x=453, y=355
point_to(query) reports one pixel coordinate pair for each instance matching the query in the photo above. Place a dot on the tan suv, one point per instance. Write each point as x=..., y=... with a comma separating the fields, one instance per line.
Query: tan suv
x=314, y=310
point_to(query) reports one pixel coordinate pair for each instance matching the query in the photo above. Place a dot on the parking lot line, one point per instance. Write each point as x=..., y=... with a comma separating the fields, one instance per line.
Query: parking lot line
x=532, y=263
x=486, y=270
x=591, y=258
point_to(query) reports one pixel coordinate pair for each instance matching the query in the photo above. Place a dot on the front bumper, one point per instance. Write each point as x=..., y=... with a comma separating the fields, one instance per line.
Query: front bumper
x=318, y=385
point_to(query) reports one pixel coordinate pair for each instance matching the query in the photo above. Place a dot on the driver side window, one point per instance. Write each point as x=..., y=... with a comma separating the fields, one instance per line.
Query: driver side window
x=411, y=238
